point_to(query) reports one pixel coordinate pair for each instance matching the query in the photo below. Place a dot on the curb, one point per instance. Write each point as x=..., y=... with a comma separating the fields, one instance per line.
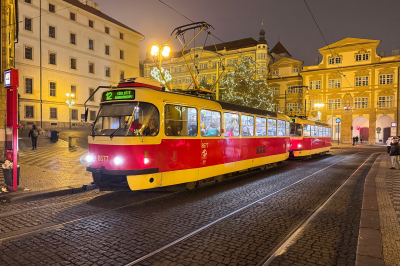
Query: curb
x=40, y=195
x=369, y=247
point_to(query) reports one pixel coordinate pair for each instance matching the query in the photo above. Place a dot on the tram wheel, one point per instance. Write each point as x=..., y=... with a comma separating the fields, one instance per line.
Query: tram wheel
x=192, y=185
x=219, y=178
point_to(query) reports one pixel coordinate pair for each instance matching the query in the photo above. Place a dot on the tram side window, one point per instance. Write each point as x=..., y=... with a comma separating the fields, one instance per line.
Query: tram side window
x=321, y=131
x=281, y=128
x=210, y=123
x=247, y=126
x=330, y=132
x=312, y=131
x=316, y=131
x=271, y=127
x=261, y=126
x=287, y=128
x=180, y=120
x=231, y=125
x=325, y=132
x=306, y=130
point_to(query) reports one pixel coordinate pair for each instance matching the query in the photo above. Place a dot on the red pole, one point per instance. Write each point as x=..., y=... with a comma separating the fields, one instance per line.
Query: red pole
x=15, y=138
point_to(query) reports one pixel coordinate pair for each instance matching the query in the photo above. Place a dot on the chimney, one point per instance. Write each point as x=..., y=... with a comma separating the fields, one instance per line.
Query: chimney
x=396, y=51
x=382, y=54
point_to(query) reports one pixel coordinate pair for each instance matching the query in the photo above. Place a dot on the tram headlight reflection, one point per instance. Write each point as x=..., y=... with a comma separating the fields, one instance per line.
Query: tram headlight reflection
x=117, y=160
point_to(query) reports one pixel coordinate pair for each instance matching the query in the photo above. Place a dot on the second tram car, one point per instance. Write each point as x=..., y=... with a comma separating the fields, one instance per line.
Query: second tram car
x=145, y=137
x=308, y=137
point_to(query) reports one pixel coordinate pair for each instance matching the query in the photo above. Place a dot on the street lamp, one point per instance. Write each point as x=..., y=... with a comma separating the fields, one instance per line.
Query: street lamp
x=70, y=102
x=155, y=50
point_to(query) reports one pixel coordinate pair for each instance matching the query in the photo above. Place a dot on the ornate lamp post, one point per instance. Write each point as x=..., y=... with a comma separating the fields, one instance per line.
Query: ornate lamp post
x=70, y=102
x=155, y=50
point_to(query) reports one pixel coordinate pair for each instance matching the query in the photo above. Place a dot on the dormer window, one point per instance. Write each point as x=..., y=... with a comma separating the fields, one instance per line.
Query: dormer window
x=275, y=72
x=295, y=70
x=335, y=60
x=362, y=57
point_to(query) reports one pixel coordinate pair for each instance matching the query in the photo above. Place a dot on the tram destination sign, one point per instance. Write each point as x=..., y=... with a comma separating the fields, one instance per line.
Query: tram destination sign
x=118, y=95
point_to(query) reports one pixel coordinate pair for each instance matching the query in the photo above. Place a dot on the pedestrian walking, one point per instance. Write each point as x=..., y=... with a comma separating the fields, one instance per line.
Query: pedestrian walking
x=361, y=139
x=395, y=153
x=388, y=142
x=356, y=140
x=33, y=134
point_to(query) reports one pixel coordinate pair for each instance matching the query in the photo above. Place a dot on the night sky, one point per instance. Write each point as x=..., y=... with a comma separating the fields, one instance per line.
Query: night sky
x=287, y=20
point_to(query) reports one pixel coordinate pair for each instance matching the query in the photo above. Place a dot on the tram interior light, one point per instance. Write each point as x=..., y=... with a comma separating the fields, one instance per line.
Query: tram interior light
x=117, y=160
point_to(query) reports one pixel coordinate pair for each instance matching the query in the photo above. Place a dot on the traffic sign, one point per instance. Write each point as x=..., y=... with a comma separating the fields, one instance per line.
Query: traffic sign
x=338, y=120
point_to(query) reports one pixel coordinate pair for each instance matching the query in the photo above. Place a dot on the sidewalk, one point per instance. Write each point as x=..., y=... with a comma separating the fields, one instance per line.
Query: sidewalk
x=50, y=166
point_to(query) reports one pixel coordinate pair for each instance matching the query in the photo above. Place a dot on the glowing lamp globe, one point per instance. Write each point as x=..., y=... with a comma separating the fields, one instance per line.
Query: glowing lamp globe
x=166, y=51
x=154, y=50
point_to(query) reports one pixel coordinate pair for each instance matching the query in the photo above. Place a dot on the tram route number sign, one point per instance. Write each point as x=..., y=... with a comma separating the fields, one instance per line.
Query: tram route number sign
x=338, y=120
x=118, y=95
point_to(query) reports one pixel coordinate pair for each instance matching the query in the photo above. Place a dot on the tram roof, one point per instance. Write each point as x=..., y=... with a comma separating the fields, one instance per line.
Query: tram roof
x=245, y=109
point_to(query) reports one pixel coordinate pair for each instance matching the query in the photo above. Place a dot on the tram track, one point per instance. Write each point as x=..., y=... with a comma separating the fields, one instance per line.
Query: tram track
x=195, y=232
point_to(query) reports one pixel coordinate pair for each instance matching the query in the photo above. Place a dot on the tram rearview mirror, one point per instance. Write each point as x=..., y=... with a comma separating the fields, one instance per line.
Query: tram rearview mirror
x=86, y=113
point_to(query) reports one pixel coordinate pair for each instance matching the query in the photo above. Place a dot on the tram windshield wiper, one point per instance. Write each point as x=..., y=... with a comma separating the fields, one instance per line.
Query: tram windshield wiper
x=126, y=122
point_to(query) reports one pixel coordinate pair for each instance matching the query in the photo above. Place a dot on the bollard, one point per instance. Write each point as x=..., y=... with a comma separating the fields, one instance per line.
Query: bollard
x=72, y=142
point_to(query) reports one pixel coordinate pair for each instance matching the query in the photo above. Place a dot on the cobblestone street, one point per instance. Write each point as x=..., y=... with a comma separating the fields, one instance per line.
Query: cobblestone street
x=236, y=222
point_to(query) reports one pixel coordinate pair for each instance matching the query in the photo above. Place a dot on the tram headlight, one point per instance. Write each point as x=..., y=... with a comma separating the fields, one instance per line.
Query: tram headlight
x=117, y=160
x=299, y=146
x=89, y=158
x=146, y=160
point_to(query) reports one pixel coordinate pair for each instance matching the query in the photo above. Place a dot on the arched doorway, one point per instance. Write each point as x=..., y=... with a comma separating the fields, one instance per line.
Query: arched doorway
x=385, y=123
x=335, y=128
x=362, y=123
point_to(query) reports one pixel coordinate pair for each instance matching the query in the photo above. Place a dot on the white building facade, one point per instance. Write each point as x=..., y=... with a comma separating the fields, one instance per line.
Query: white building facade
x=69, y=47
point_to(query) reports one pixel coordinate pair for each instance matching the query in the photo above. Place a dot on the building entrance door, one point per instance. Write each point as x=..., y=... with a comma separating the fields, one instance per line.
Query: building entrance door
x=364, y=132
x=386, y=134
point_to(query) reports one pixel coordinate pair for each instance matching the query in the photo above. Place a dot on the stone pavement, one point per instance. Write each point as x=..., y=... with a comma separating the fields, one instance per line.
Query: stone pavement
x=50, y=166
x=388, y=196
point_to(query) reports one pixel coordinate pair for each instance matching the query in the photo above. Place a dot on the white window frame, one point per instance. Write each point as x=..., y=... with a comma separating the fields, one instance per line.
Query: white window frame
x=385, y=101
x=335, y=103
x=315, y=85
x=334, y=83
x=385, y=79
x=361, y=102
x=362, y=81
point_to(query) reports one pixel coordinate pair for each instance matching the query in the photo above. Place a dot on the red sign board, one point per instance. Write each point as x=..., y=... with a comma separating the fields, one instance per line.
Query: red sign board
x=11, y=78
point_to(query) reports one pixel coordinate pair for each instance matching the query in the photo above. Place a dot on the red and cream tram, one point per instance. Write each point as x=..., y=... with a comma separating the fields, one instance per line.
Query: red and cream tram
x=309, y=137
x=145, y=137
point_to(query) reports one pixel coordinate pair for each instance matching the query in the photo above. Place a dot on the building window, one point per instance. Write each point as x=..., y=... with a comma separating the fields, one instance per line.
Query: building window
x=28, y=111
x=107, y=30
x=203, y=66
x=107, y=72
x=52, y=59
x=92, y=115
x=52, y=8
x=28, y=53
x=53, y=89
x=362, y=57
x=121, y=36
x=335, y=60
x=74, y=114
x=73, y=63
x=361, y=81
x=72, y=16
x=385, y=101
x=28, y=85
x=53, y=113
x=91, y=91
x=385, y=79
x=276, y=107
x=52, y=32
x=275, y=90
x=72, y=38
x=91, y=23
x=91, y=68
x=334, y=83
x=121, y=54
x=262, y=56
x=334, y=103
x=295, y=90
x=315, y=85
x=73, y=91
x=313, y=103
x=295, y=70
x=28, y=24
x=107, y=50
x=91, y=46
x=28, y=1
x=361, y=102
x=294, y=107
x=122, y=75
x=275, y=72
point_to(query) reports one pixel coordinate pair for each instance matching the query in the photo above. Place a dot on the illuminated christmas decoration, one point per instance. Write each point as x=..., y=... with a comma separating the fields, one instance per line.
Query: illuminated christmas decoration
x=155, y=74
x=243, y=86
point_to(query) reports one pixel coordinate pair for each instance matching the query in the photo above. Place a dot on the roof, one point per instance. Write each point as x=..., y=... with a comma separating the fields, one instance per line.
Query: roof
x=100, y=14
x=233, y=45
x=349, y=42
x=279, y=49
x=245, y=109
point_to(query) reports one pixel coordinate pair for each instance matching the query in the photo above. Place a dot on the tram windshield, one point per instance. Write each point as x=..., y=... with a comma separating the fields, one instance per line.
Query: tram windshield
x=296, y=130
x=127, y=119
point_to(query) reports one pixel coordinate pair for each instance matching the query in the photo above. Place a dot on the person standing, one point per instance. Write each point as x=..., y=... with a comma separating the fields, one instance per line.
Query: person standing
x=388, y=142
x=356, y=140
x=394, y=154
x=33, y=134
x=361, y=139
